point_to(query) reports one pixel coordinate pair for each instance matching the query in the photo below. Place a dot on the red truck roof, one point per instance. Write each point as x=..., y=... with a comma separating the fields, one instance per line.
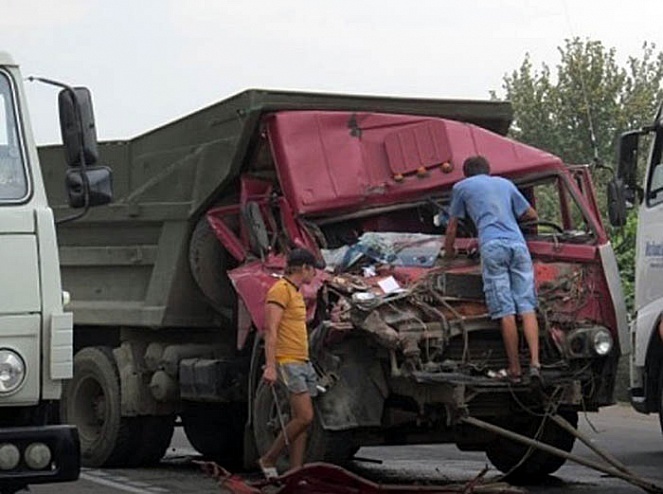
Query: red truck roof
x=330, y=160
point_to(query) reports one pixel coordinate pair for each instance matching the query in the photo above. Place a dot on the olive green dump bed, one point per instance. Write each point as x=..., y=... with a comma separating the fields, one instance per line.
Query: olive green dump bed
x=127, y=264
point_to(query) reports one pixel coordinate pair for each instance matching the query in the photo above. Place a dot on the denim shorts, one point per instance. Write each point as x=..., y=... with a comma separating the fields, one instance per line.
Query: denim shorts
x=299, y=377
x=508, y=278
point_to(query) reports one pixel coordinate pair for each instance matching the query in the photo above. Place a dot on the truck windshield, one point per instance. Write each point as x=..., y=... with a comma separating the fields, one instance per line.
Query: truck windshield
x=13, y=181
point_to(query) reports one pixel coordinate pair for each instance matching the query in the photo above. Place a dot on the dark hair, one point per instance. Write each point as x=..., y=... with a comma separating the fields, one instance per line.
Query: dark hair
x=303, y=257
x=476, y=165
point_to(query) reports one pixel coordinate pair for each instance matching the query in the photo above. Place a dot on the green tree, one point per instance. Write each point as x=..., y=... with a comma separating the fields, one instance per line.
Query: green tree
x=578, y=110
x=552, y=110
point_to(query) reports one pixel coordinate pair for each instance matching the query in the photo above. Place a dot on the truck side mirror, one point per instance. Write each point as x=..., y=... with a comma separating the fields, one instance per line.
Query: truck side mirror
x=617, y=202
x=99, y=186
x=79, y=133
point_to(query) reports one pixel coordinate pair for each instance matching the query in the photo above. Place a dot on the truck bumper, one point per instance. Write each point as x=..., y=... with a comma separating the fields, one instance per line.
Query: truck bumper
x=24, y=459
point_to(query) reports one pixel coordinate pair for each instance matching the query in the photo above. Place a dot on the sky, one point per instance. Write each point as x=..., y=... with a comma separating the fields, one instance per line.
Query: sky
x=148, y=62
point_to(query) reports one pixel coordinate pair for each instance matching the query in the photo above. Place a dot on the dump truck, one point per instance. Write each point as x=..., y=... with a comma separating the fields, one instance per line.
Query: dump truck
x=36, y=334
x=639, y=188
x=168, y=283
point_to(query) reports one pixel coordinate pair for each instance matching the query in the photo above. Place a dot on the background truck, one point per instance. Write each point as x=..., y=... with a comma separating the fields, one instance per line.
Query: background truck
x=36, y=344
x=644, y=190
x=168, y=282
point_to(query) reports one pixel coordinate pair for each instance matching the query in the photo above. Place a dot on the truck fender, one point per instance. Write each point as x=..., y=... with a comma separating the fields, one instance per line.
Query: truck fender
x=653, y=366
x=358, y=391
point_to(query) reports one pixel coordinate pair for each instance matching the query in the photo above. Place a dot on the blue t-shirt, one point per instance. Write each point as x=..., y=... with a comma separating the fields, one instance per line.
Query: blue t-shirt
x=493, y=203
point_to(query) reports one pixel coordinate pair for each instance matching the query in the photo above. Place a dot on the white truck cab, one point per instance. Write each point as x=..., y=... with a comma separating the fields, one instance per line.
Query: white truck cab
x=646, y=194
x=36, y=347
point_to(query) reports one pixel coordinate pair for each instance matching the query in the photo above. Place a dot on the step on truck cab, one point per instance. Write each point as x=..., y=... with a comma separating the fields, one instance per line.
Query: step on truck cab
x=36, y=344
x=168, y=283
x=641, y=188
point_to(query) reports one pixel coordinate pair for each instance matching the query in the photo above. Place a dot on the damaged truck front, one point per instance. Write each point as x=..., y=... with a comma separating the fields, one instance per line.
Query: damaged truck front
x=174, y=276
x=402, y=340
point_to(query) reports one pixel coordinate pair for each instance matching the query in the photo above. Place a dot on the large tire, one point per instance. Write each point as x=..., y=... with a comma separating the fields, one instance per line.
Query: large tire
x=91, y=402
x=506, y=455
x=216, y=430
x=209, y=263
x=331, y=447
x=660, y=399
x=156, y=432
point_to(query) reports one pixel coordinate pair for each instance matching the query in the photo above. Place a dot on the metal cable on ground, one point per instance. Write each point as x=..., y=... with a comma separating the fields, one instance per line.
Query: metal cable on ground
x=644, y=484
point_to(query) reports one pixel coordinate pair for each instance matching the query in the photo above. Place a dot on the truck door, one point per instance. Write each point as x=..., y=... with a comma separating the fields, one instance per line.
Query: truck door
x=649, y=267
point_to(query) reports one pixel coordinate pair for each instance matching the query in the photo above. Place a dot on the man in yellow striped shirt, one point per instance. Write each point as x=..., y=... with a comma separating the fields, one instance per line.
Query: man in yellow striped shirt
x=287, y=358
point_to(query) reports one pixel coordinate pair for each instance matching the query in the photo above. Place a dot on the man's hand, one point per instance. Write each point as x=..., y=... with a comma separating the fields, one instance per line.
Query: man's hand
x=269, y=374
x=450, y=238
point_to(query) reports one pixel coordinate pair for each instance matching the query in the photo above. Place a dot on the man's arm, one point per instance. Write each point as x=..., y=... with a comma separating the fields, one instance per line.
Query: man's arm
x=529, y=215
x=450, y=237
x=273, y=315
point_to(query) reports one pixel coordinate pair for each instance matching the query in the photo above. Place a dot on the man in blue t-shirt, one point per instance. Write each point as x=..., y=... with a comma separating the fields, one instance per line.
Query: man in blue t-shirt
x=495, y=205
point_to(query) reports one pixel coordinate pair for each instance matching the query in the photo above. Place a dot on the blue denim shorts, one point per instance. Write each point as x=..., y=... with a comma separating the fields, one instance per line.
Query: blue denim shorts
x=299, y=377
x=508, y=278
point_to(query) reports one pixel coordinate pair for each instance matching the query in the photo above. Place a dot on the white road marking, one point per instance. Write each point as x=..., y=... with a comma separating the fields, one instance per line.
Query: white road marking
x=119, y=485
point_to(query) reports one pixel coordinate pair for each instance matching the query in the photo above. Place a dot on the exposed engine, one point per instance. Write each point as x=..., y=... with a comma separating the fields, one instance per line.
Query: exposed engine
x=430, y=314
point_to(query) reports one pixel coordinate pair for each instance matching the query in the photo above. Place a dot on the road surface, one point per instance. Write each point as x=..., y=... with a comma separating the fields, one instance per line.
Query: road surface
x=633, y=438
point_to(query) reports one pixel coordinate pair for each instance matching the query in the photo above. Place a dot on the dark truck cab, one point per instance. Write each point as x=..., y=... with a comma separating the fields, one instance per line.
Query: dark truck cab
x=173, y=275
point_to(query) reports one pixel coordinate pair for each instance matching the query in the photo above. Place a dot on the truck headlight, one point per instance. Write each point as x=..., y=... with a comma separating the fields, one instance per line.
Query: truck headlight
x=12, y=371
x=602, y=342
x=38, y=456
x=9, y=456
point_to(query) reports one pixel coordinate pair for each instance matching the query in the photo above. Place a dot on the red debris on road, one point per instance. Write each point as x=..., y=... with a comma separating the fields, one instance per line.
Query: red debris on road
x=324, y=478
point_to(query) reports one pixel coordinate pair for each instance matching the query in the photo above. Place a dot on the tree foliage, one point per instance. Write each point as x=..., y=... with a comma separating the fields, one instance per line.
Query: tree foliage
x=552, y=110
x=578, y=110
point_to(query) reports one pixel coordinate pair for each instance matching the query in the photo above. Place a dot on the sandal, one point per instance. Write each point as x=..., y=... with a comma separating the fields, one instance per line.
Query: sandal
x=505, y=375
x=535, y=376
x=268, y=472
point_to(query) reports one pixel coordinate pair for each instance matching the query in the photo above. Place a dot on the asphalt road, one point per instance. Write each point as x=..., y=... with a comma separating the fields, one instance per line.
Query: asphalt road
x=632, y=438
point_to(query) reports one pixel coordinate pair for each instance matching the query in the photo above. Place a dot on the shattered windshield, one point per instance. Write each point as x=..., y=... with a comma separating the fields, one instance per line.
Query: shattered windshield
x=415, y=237
x=13, y=182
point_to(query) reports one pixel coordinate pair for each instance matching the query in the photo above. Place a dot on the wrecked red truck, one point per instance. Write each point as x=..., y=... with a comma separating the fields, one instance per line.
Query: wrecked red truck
x=168, y=283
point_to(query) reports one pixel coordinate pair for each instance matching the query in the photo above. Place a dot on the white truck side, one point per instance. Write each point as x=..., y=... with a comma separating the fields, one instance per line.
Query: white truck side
x=36, y=347
x=645, y=194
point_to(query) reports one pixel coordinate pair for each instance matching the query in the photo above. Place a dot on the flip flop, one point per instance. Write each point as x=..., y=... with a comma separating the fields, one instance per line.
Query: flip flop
x=505, y=375
x=268, y=472
x=535, y=376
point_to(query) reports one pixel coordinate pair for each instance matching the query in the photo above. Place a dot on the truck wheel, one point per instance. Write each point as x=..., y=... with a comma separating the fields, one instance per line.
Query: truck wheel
x=91, y=402
x=156, y=432
x=660, y=399
x=216, y=430
x=507, y=455
x=322, y=445
x=209, y=263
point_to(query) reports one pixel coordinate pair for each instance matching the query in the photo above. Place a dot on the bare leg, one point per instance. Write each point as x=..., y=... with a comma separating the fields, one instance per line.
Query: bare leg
x=510, y=337
x=531, y=330
x=302, y=408
x=302, y=415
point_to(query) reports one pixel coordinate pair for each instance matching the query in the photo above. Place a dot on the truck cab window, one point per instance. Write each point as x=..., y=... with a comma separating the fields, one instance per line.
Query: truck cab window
x=560, y=216
x=13, y=182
